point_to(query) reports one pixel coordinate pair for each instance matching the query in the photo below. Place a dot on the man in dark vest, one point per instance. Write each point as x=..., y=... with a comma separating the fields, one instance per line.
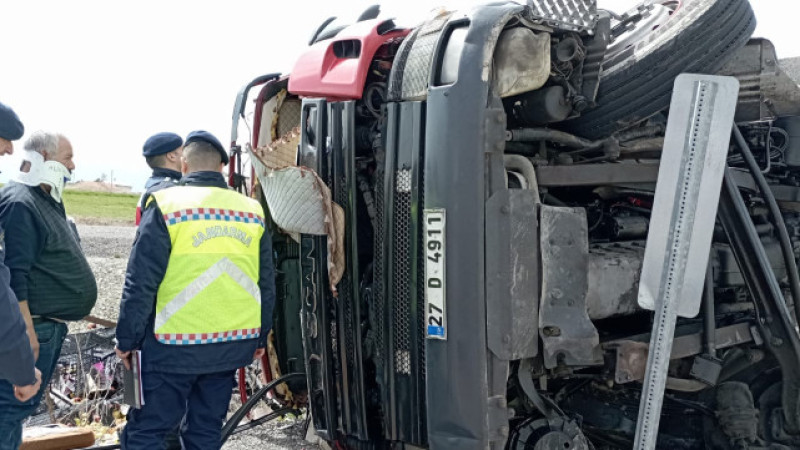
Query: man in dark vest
x=15, y=348
x=49, y=272
x=197, y=302
x=163, y=152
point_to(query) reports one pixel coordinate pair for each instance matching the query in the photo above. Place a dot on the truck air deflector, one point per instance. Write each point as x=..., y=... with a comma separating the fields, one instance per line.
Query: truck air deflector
x=337, y=68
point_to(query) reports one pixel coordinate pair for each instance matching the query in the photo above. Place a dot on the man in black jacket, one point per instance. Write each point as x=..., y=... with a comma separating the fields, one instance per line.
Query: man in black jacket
x=49, y=272
x=15, y=348
x=163, y=153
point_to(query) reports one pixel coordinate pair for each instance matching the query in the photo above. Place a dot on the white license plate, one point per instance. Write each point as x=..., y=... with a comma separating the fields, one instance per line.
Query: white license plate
x=435, y=311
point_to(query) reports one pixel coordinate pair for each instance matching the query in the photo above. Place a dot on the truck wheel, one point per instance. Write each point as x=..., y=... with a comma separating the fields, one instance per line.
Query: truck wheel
x=652, y=45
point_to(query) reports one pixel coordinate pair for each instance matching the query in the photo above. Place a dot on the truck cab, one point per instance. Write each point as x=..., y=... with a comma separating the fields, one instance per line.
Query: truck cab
x=460, y=212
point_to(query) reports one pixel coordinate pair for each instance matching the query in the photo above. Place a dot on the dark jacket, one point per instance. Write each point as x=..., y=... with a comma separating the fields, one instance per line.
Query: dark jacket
x=15, y=348
x=146, y=269
x=160, y=179
x=43, y=253
x=161, y=175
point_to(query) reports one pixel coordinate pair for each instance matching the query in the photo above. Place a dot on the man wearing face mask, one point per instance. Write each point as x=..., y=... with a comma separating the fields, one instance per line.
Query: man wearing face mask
x=49, y=272
x=15, y=348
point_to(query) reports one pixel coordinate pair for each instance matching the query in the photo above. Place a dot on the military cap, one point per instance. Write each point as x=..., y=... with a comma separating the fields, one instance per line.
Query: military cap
x=161, y=143
x=11, y=128
x=205, y=136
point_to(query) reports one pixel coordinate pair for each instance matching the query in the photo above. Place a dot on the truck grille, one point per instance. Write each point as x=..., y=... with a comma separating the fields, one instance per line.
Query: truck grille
x=376, y=322
x=423, y=412
x=401, y=282
x=399, y=295
x=346, y=294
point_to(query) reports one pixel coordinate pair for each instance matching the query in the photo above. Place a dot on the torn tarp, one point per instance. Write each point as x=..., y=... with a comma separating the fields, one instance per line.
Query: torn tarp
x=299, y=201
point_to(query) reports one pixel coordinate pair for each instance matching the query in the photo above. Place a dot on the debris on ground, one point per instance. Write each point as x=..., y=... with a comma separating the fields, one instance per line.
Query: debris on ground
x=86, y=388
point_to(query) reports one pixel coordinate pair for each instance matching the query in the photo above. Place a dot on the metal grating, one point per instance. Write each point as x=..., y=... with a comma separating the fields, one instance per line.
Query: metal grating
x=377, y=281
x=421, y=372
x=403, y=181
x=346, y=295
x=412, y=67
x=417, y=71
x=401, y=281
x=574, y=15
x=334, y=341
x=395, y=89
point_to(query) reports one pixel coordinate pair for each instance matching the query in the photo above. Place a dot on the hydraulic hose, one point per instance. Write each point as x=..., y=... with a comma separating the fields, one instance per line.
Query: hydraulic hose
x=525, y=166
x=641, y=132
x=233, y=422
x=546, y=134
x=609, y=146
x=773, y=317
x=777, y=217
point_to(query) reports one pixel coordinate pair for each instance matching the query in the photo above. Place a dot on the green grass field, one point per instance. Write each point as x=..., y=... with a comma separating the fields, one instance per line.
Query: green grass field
x=101, y=208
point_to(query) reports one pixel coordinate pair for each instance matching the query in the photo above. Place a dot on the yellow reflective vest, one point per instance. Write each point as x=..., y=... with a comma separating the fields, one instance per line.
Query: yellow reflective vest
x=210, y=292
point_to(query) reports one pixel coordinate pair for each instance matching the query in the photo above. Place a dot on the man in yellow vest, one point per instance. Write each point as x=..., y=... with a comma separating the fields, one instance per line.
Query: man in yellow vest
x=197, y=302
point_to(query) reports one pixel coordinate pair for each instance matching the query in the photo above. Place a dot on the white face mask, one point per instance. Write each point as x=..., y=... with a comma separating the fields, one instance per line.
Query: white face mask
x=51, y=173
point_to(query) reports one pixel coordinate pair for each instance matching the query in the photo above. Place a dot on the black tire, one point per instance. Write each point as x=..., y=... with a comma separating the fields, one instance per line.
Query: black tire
x=699, y=37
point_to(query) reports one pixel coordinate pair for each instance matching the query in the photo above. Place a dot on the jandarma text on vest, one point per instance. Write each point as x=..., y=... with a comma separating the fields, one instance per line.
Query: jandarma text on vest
x=222, y=231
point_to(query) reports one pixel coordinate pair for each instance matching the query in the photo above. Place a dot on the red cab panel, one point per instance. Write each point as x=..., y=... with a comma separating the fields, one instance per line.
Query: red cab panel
x=337, y=68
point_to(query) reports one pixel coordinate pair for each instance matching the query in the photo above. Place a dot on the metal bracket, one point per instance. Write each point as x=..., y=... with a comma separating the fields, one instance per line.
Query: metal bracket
x=512, y=275
x=572, y=15
x=498, y=415
x=706, y=368
x=631, y=355
x=768, y=90
x=568, y=334
x=687, y=194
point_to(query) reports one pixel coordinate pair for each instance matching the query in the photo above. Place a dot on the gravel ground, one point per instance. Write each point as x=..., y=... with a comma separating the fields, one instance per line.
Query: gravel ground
x=275, y=435
x=107, y=248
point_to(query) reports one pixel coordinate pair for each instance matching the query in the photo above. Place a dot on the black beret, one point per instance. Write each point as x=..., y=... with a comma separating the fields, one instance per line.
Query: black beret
x=161, y=143
x=11, y=128
x=205, y=136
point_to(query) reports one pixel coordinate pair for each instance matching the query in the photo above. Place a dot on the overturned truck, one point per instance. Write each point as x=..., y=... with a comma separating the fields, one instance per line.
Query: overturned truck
x=460, y=213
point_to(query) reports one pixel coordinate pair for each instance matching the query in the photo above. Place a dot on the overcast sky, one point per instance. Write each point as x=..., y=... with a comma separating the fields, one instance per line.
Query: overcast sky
x=109, y=74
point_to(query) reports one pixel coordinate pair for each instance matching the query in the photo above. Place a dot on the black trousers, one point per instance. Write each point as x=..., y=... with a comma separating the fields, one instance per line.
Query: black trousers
x=201, y=401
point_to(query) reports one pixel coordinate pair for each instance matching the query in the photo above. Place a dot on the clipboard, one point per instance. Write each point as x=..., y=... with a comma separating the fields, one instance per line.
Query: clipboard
x=133, y=394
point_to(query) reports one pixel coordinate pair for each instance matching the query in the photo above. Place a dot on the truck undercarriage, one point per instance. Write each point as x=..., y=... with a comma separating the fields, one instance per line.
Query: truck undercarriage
x=461, y=212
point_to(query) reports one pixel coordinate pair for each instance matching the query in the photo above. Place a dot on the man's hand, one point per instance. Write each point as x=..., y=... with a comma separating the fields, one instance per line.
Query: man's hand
x=25, y=393
x=258, y=354
x=125, y=357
